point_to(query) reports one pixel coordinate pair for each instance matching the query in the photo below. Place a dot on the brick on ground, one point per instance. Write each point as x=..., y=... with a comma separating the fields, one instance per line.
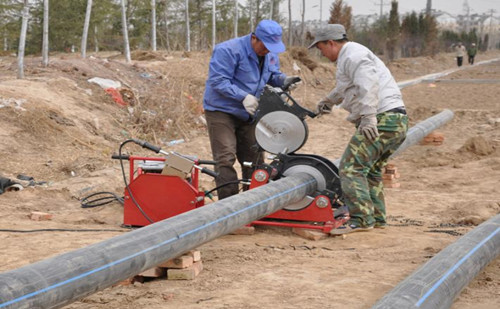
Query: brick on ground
x=244, y=230
x=154, y=272
x=196, y=254
x=182, y=261
x=309, y=233
x=40, y=216
x=188, y=273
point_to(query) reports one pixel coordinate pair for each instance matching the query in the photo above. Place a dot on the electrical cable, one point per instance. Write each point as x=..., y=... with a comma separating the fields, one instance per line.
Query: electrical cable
x=86, y=203
x=126, y=183
x=226, y=184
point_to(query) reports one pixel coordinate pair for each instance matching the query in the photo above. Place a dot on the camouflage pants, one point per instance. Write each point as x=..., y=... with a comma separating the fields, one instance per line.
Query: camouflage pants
x=361, y=169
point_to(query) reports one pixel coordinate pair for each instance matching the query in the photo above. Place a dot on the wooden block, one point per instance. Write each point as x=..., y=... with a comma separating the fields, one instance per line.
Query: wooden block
x=40, y=216
x=154, y=272
x=178, y=262
x=244, y=230
x=392, y=185
x=309, y=233
x=188, y=273
x=397, y=175
x=196, y=254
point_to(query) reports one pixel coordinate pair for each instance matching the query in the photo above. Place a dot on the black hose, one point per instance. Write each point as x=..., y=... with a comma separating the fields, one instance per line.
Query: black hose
x=126, y=183
x=226, y=184
x=86, y=203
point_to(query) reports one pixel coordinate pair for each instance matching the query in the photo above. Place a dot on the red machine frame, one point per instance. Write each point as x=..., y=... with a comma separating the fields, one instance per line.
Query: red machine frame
x=311, y=217
x=160, y=196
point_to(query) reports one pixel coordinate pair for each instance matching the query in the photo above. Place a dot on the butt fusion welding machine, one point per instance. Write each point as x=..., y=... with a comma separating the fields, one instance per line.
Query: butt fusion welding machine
x=164, y=187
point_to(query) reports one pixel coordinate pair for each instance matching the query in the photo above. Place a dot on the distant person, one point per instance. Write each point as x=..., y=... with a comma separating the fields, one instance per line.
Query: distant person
x=460, y=52
x=238, y=71
x=471, y=52
x=366, y=89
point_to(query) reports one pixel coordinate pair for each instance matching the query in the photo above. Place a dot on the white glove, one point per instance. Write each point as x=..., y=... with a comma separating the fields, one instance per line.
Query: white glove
x=291, y=82
x=324, y=106
x=368, y=127
x=250, y=103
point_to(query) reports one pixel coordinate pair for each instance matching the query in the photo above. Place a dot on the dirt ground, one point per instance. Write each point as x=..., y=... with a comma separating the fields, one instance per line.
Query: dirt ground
x=59, y=129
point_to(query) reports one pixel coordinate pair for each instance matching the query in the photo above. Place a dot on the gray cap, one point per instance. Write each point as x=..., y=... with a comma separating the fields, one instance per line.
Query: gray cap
x=329, y=32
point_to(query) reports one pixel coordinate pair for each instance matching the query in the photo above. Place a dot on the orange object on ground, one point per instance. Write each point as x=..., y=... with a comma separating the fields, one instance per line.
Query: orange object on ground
x=116, y=96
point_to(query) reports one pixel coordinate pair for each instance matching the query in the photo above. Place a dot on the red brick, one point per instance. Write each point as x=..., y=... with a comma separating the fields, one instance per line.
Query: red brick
x=188, y=273
x=244, y=230
x=40, y=216
x=154, y=272
x=392, y=185
x=196, y=254
x=309, y=233
x=388, y=176
x=179, y=262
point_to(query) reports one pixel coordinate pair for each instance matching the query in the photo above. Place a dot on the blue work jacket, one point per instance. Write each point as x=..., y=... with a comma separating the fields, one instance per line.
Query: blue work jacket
x=234, y=73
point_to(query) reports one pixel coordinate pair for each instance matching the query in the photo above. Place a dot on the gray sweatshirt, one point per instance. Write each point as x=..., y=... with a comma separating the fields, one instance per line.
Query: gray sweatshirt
x=365, y=86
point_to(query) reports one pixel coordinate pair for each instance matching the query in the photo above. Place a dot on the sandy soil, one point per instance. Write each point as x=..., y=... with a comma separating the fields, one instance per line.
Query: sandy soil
x=69, y=127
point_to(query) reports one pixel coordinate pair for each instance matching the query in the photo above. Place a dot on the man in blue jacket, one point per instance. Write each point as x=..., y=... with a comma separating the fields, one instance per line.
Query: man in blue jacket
x=239, y=70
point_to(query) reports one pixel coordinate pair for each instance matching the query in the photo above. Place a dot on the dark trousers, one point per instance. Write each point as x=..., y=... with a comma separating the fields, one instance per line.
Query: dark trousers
x=471, y=59
x=231, y=139
x=459, y=61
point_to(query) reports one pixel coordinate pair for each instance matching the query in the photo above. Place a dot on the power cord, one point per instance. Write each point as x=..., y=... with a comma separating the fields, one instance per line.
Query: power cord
x=87, y=203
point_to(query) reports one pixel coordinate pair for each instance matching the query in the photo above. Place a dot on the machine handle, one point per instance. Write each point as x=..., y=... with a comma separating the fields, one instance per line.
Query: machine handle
x=209, y=172
x=147, y=145
x=293, y=81
x=207, y=162
x=118, y=157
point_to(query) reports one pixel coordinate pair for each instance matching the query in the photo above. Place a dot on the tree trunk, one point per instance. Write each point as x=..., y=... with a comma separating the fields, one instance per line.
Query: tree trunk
x=214, y=25
x=289, y=23
x=235, y=18
x=302, y=34
x=96, y=41
x=188, y=34
x=126, y=45
x=257, y=14
x=22, y=41
x=45, y=39
x=250, y=13
x=153, y=25
x=271, y=9
x=86, y=28
x=167, y=36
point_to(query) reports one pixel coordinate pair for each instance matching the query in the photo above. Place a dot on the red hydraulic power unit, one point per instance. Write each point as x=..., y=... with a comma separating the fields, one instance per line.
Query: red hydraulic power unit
x=160, y=191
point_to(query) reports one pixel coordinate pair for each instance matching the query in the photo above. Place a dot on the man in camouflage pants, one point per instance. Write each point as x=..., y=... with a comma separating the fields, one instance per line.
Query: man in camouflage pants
x=367, y=90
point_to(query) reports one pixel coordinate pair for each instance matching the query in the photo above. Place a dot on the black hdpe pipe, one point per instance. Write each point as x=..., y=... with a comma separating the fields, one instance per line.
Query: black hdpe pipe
x=58, y=281
x=436, y=284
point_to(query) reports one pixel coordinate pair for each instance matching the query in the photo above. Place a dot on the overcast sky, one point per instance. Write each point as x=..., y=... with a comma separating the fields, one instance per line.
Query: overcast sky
x=453, y=7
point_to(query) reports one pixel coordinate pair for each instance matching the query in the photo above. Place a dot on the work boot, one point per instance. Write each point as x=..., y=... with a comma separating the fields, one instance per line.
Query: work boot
x=380, y=225
x=350, y=228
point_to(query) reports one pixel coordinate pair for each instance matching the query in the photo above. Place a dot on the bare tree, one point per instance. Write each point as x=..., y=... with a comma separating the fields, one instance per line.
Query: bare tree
x=86, y=28
x=96, y=42
x=235, y=18
x=188, y=34
x=45, y=39
x=289, y=22
x=302, y=32
x=167, y=34
x=153, y=25
x=214, y=27
x=250, y=13
x=22, y=40
x=126, y=45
